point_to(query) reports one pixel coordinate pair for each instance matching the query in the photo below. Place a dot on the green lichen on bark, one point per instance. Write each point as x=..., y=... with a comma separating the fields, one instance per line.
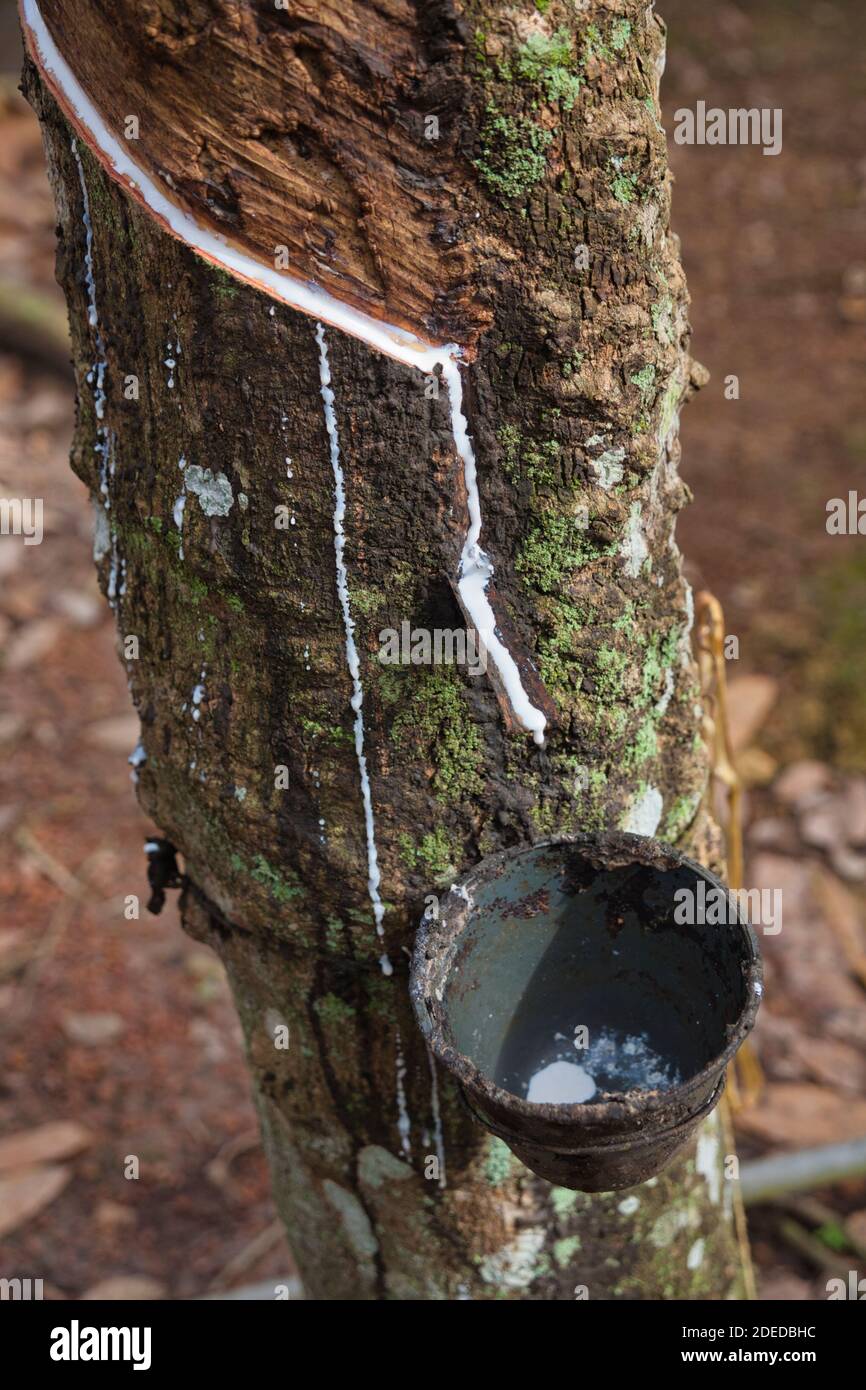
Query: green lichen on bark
x=434, y=714
x=436, y=852
x=512, y=153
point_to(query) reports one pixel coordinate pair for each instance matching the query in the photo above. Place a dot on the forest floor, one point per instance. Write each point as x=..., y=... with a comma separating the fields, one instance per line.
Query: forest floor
x=124, y=1030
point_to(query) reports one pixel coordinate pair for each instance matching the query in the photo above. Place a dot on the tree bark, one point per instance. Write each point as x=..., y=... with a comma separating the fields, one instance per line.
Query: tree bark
x=551, y=141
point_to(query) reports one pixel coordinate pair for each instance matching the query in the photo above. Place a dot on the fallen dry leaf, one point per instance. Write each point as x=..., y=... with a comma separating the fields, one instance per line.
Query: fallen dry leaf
x=750, y=699
x=16, y=945
x=31, y=643
x=93, y=1029
x=83, y=609
x=756, y=768
x=824, y=826
x=119, y=734
x=831, y=1063
x=123, y=1288
x=842, y=912
x=848, y=864
x=773, y=833
x=802, y=779
x=25, y=1192
x=800, y=1115
x=110, y=1216
x=804, y=959
x=44, y=1144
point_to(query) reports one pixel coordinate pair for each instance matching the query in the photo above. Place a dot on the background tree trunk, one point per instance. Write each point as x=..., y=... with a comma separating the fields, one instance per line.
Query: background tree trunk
x=239, y=670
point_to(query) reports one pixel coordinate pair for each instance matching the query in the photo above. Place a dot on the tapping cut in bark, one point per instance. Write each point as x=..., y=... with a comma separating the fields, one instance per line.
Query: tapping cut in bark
x=475, y=570
x=301, y=128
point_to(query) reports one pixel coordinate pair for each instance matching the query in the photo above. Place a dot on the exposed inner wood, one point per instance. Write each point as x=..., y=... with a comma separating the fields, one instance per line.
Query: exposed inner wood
x=303, y=138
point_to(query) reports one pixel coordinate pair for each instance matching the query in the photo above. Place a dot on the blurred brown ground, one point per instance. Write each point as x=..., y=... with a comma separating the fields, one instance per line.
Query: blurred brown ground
x=126, y=1028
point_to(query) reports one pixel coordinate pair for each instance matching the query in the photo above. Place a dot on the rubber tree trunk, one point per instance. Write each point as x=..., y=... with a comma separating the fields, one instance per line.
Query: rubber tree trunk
x=202, y=437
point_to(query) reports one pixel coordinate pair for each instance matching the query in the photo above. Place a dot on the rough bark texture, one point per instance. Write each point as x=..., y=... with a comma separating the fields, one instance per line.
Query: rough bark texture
x=303, y=127
x=241, y=669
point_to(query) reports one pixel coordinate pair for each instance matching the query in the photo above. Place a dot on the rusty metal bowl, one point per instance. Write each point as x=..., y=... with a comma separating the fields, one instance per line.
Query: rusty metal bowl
x=579, y=938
